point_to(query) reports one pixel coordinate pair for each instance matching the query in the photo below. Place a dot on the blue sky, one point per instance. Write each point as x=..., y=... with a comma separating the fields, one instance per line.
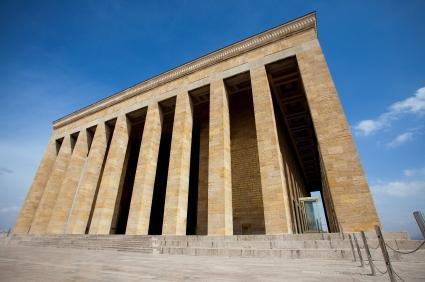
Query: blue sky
x=58, y=56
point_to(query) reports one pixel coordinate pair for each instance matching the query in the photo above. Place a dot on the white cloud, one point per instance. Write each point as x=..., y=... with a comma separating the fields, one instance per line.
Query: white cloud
x=400, y=188
x=414, y=104
x=368, y=126
x=411, y=105
x=400, y=139
x=414, y=172
x=9, y=209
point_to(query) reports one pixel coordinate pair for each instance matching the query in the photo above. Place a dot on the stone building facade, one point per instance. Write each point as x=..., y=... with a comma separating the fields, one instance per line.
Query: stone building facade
x=225, y=144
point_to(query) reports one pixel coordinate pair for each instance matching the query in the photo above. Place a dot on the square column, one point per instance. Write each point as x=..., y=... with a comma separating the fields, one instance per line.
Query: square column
x=354, y=207
x=290, y=185
x=48, y=201
x=177, y=192
x=69, y=186
x=111, y=180
x=277, y=218
x=29, y=208
x=220, y=214
x=144, y=181
x=80, y=212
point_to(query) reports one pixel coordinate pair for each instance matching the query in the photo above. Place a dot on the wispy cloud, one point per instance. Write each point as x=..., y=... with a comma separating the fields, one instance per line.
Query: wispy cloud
x=396, y=199
x=411, y=105
x=9, y=209
x=414, y=172
x=400, y=139
x=400, y=188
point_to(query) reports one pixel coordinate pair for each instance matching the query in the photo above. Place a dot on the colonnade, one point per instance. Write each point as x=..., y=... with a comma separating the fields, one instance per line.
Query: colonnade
x=61, y=198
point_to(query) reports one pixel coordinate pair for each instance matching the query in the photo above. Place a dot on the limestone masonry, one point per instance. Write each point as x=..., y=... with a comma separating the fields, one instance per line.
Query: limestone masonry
x=226, y=144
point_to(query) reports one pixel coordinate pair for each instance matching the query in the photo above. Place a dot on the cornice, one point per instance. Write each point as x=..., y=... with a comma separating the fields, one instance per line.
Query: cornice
x=300, y=24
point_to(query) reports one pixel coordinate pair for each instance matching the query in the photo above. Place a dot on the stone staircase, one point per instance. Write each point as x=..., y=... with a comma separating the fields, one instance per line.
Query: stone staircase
x=324, y=246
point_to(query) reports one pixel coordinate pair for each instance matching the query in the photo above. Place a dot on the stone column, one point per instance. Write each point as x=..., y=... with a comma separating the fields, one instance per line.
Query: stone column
x=111, y=180
x=48, y=200
x=277, y=217
x=80, y=212
x=289, y=184
x=177, y=192
x=69, y=186
x=354, y=207
x=144, y=181
x=294, y=199
x=220, y=214
x=26, y=216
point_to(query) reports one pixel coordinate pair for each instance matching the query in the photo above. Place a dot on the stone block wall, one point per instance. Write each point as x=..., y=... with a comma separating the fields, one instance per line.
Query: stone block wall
x=247, y=200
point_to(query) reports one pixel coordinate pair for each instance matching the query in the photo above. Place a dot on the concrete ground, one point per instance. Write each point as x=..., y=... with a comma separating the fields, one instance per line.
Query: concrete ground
x=20, y=263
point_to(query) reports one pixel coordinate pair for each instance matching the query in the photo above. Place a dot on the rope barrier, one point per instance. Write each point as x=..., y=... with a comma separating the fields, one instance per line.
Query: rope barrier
x=385, y=272
x=406, y=253
x=374, y=248
x=382, y=272
x=398, y=275
x=393, y=275
x=397, y=251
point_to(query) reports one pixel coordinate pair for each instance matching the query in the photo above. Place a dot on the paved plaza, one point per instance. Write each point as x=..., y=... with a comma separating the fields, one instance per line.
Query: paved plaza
x=20, y=263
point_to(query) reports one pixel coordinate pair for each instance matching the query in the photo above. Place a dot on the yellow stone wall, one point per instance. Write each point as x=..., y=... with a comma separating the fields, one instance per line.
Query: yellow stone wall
x=247, y=200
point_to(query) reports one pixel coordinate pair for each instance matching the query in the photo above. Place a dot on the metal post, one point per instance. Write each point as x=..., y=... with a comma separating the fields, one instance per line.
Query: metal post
x=358, y=250
x=369, y=256
x=341, y=231
x=421, y=222
x=385, y=253
x=352, y=247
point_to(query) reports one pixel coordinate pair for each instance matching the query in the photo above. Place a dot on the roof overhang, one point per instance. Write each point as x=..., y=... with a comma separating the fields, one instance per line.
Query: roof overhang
x=269, y=36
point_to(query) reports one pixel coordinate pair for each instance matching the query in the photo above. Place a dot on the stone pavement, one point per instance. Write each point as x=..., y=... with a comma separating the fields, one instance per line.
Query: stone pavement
x=22, y=263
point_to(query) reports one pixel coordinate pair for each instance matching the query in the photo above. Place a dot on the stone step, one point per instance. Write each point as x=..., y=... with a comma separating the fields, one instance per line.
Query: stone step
x=418, y=256
x=406, y=244
x=278, y=253
x=284, y=237
x=229, y=249
x=272, y=244
x=88, y=243
x=275, y=244
x=330, y=254
x=89, y=246
x=297, y=244
x=313, y=246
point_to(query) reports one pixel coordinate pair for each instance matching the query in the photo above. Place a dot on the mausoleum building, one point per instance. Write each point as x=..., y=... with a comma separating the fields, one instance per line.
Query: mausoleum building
x=225, y=144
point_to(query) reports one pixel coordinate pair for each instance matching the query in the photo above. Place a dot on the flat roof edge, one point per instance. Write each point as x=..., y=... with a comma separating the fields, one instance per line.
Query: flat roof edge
x=255, y=41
